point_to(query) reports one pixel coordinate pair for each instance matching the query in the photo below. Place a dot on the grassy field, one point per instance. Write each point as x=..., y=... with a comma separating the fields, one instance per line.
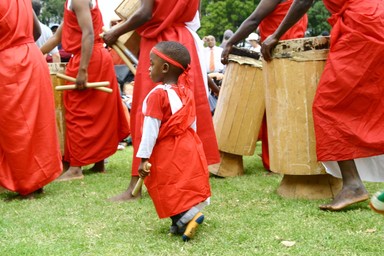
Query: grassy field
x=246, y=217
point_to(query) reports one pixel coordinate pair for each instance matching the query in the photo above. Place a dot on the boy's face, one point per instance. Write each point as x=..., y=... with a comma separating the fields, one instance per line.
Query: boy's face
x=156, y=68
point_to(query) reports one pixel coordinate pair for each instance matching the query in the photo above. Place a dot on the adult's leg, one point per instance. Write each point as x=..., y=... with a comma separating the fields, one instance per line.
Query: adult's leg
x=353, y=190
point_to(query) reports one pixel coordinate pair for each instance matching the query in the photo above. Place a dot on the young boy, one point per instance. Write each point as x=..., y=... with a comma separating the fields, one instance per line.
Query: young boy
x=179, y=181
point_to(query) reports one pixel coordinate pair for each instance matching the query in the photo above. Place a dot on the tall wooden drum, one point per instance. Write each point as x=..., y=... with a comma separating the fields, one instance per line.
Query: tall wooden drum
x=131, y=40
x=291, y=80
x=239, y=111
x=55, y=68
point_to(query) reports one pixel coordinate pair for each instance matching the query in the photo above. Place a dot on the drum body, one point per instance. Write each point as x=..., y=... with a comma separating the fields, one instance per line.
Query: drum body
x=55, y=68
x=240, y=107
x=127, y=7
x=291, y=80
x=131, y=40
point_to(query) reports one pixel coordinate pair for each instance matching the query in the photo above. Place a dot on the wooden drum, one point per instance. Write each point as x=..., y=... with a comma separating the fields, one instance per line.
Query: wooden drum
x=291, y=80
x=239, y=111
x=131, y=40
x=55, y=68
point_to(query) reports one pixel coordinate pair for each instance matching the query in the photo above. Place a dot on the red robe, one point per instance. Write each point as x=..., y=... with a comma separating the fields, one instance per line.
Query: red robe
x=179, y=176
x=267, y=27
x=95, y=120
x=167, y=24
x=29, y=149
x=270, y=23
x=348, y=108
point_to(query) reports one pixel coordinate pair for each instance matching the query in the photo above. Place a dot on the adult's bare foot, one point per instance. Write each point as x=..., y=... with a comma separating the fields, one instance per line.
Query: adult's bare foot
x=73, y=173
x=346, y=197
x=127, y=195
x=2, y=190
x=98, y=167
x=29, y=196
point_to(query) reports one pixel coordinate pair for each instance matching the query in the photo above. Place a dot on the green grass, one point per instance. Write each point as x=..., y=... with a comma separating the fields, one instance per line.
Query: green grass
x=246, y=217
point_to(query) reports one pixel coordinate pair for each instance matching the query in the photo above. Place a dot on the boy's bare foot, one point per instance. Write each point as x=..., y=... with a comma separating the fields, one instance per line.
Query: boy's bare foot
x=346, y=197
x=127, y=195
x=73, y=173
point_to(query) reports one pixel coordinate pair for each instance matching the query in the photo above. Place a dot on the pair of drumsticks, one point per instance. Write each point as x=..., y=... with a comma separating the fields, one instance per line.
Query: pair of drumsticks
x=97, y=85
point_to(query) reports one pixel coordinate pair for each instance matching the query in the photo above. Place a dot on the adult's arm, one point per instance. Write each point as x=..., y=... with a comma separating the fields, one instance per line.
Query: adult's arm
x=138, y=18
x=249, y=25
x=36, y=27
x=56, y=57
x=53, y=41
x=295, y=13
x=82, y=10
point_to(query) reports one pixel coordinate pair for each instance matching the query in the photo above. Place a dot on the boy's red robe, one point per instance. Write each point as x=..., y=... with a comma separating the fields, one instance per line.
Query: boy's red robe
x=348, y=108
x=95, y=120
x=29, y=149
x=266, y=28
x=179, y=177
x=168, y=24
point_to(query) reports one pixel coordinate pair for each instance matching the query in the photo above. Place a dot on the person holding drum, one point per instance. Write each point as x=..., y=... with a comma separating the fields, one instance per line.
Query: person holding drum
x=267, y=16
x=348, y=108
x=95, y=120
x=155, y=21
x=30, y=156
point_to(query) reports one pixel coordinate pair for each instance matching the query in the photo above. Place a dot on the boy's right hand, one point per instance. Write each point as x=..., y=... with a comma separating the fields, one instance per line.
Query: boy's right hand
x=144, y=168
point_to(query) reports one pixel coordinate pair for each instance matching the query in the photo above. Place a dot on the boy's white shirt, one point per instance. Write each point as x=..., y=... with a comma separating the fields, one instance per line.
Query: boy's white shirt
x=151, y=126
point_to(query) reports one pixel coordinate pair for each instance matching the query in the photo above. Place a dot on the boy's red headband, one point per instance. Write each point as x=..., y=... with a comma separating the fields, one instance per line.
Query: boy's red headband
x=167, y=58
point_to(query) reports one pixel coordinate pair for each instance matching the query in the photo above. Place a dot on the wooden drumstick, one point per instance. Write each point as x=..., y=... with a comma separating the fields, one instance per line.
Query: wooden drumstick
x=121, y=53
x=139, y=183
x=127, y=52
x=95, y=85
x=88, y=85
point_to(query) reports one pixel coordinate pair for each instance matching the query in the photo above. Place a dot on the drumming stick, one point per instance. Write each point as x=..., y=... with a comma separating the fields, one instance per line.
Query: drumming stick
x=72, y=87
x=124, y=58
x=88, y=85
x=139, y=183
x=124, y=49
x=121, y=55
x=127, y=52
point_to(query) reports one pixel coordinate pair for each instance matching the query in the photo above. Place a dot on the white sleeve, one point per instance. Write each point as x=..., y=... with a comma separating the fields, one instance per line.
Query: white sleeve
x=151, y=128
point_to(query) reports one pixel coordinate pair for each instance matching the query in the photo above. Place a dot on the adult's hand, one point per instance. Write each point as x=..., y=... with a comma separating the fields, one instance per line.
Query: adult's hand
x=81, y=79
x=267, y=47
x=110, y=37
x=224, y=55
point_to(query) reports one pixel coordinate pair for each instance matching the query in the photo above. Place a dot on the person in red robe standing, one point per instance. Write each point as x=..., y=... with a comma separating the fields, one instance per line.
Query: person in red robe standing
x=179, y=179
x=157, y=21
x=95, y=120
x=267, y=17
x=29, y=149
x=348, y=109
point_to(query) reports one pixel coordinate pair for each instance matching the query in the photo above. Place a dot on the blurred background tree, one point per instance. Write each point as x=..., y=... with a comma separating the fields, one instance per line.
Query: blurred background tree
x=317, y=19
x=51, y=11
x=219, y=15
